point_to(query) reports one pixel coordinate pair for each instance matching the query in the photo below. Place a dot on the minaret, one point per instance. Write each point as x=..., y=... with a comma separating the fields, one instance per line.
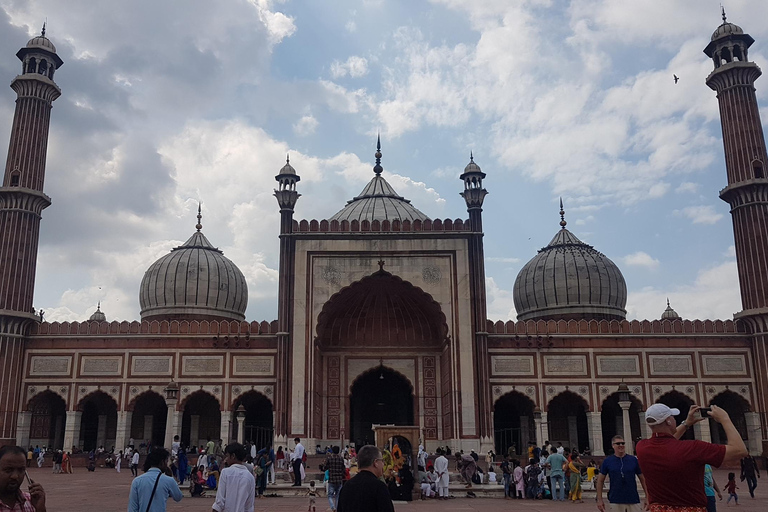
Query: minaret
x=287, y=196
x=747, y=191
x=474, y=195
x=21, y=203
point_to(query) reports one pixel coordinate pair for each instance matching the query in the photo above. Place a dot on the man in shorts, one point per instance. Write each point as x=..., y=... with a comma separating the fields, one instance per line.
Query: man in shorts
x=621, y=470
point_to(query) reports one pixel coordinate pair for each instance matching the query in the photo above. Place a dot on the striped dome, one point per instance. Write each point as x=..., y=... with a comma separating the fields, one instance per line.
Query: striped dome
x=379, y=201
x=570, y=279
x=194, y=281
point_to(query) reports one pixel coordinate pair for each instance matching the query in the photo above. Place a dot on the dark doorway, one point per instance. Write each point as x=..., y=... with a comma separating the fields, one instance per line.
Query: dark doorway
x=48, y=419
x=513, y=423
x=201, y=419
x=736, y=407
x=382, y=397
x=567, y=420
x=677, y=400
x=98, y=424
x=153, y=405
x=258, y=419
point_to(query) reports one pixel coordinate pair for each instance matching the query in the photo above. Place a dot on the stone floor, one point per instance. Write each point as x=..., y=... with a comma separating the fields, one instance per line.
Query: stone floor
x=106, y=490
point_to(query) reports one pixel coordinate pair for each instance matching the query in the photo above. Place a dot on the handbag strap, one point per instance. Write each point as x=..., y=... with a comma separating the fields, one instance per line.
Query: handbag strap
x=152, y=496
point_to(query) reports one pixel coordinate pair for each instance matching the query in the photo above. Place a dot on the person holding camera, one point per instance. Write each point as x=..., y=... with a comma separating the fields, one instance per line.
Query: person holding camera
x=674, y=469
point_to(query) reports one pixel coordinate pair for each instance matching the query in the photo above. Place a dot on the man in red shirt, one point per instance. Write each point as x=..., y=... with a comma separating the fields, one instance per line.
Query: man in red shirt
x=674, y=469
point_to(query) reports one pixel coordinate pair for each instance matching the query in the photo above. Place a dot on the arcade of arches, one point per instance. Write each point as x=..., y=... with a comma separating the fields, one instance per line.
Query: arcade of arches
x=568, y=420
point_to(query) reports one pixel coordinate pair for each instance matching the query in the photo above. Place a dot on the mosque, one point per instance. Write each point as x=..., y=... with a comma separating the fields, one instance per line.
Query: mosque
x=381, y=320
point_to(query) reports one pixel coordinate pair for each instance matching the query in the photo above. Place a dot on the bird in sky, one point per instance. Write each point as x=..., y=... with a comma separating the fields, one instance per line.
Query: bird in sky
x=676, y=79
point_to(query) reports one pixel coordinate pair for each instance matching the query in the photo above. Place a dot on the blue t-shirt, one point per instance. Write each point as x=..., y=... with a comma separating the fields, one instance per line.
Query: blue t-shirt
x=556, y=462
x=709, y=481
x=621, y=472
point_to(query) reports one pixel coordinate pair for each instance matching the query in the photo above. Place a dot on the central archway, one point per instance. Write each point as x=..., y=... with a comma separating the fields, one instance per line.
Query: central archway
x=513, y=423
x=379, y=396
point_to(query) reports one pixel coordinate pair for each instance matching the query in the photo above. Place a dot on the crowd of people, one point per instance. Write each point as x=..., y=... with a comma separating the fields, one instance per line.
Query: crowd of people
x=370, y=479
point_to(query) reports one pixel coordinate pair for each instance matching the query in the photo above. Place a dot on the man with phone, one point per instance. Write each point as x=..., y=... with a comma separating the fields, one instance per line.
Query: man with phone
x=13, y=471
x=674, y=469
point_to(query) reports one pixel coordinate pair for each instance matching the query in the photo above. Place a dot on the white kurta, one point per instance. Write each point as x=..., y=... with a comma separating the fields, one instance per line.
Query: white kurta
x=441, y=468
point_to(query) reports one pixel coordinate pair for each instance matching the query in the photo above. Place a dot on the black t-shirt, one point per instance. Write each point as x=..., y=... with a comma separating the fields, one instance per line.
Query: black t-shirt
x=365, y=493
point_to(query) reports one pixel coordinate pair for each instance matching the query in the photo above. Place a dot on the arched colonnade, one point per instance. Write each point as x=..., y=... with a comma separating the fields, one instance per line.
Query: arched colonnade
x=566, y=418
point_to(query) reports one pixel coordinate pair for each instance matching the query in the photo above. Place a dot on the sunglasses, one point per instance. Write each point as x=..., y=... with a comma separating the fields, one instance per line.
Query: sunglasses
x=619, y=444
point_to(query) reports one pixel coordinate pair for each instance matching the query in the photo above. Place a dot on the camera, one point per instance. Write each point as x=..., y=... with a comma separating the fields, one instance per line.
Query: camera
x=704, y=411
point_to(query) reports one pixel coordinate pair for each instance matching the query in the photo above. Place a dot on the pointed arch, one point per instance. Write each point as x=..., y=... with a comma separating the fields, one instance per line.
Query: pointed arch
x=149, y=416
x=737, y=407
x=567, y=420
x=612, y=421
x=383, y=309
x=379, y=396
x=678, y=400
x=98, y=423
x=259, y=418
x=201, y=418
x=46, y=427
x=513, y=423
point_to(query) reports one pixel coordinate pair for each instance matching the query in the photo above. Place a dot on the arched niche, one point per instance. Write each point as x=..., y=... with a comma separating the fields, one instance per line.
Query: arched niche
x=612, y=421
x=379, y=396
x=259, y=420
x=736, y=406
x=148, y=419
x=201, y=418
x=381, y=310
x=567, y=420
x=48, y=420
x=98, y=423
x=513, y=423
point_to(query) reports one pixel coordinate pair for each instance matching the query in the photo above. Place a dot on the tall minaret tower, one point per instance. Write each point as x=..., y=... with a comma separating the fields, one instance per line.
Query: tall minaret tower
x=746, y=163
x=474, y=195
x=287, y=196
x=21, y=203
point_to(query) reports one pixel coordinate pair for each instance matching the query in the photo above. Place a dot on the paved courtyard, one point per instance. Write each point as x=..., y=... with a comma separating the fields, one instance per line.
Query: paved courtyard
x=107, y=491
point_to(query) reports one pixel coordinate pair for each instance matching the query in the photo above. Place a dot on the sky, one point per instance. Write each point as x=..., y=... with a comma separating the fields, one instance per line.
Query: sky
x=166, y=104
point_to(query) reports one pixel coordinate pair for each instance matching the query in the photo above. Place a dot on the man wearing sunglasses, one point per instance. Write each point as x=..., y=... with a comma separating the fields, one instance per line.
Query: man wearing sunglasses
x=366, y=492
x=621, y=470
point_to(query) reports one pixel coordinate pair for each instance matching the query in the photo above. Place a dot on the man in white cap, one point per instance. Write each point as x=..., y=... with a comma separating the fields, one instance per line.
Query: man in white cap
x=674, y=469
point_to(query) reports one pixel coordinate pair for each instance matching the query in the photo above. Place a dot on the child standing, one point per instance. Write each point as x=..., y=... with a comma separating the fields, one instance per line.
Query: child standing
x=731, y=488
x=312, y=493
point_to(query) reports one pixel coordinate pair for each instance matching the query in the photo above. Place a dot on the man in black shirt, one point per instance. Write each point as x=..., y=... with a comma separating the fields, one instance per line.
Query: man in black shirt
x=365, y=492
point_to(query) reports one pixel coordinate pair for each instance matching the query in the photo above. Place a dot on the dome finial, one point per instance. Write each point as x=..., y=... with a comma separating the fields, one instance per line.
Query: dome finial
x=722, y=11
x=562, y=215
x=377, y=169
x=667, y=301
x=42, y=32
x=287, y=158
x=471, y=157
x=98, y=306
x=199, y=226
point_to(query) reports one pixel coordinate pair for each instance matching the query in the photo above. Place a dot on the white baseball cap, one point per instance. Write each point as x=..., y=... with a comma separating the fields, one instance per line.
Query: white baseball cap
x=657, y=413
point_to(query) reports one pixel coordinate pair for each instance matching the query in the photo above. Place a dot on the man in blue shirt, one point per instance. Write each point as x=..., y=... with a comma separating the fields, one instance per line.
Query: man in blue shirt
x=555, y=463
x=156, y=484
x=621, y=470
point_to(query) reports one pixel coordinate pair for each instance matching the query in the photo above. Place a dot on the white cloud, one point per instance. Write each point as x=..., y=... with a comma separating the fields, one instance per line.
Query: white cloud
x=500, y=302
x=305, y=126
x=354, y=66
x=641, y=259
x=703, y=214
x=712, y=296
x=278, y=24
x=351, y=26
x=687, y=187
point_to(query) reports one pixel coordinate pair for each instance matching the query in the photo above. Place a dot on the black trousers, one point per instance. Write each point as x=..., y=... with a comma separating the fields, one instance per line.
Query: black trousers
x=297, y=472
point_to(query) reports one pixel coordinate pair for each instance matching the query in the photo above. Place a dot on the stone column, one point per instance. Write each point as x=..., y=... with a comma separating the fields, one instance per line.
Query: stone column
x=72, y=429
x=595, y=428
x=225, y=432
x=539, y=422
x=627, y=426
x=240, y=428
x=23, y=423
x=123, y=429
x=194, y=430
x=170, y=421
x=544, y=427
x=701, y=431
x=754, y=433
x=101, y=434
x=148, y=424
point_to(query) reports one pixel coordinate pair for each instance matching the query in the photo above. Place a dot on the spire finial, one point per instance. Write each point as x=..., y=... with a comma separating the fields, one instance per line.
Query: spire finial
x=42, y=32
x=377, y=169
x=287, y=158
x=471, y=157
x=722, y=11
x=667, y=301
x=199, y=226
x=562, y=215
x=98, y=306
